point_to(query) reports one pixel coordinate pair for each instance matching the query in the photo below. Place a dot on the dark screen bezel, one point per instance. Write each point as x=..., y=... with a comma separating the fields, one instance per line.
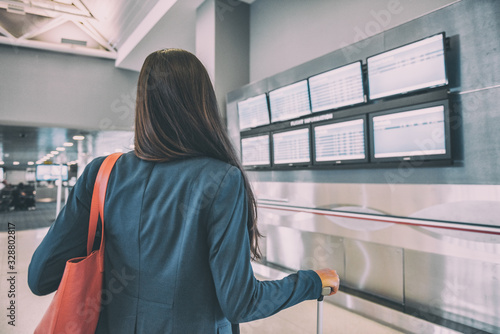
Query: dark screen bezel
x=269, y=165
x=423, y=157
x=333, y=69
x=341, y=162
x=414, y=91
x=295, y=117
x=294, y=164
x=268, y=112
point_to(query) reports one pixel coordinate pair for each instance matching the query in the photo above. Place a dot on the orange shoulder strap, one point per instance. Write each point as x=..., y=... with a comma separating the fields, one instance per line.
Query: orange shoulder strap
x=98, y=197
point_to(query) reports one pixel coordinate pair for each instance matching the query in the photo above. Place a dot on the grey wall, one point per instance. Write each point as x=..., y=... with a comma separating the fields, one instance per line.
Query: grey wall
x=222, y=44
x=232, y=48
x=42, y=88
x=474, y=66
x=286, y=33
x=205, y=36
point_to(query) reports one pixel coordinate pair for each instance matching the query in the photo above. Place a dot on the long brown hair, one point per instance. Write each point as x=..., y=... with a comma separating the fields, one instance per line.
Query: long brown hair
x=177, y=117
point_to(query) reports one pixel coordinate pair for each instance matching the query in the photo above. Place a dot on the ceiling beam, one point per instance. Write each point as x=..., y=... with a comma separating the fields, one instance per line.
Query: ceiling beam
x=158, y=11
x=65, y=48
x=93, y=33
x=4, y=31
x=49, y=26
x=47, y=9
x=81, y=6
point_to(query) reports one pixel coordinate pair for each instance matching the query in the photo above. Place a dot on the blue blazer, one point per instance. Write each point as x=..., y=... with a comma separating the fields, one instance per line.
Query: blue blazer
x=177, y=256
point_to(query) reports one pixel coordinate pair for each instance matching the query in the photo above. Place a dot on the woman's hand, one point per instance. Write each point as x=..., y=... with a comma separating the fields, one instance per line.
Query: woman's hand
x=329, y=278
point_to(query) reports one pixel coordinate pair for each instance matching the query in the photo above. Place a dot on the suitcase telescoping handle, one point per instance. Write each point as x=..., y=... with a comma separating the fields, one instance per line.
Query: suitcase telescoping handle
x=324, y=292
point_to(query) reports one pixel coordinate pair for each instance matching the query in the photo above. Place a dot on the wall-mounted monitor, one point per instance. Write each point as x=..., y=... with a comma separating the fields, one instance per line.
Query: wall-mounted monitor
x=341, y=141
x=253, y=112
x=292, y=147
x=256, y=151
x=409, y=68
x=51, y=172
x=420, y=132
x=289, y=102
x=340, y=87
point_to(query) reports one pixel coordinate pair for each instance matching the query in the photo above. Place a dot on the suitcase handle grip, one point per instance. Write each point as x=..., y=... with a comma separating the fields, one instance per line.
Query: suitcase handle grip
x=325, y=292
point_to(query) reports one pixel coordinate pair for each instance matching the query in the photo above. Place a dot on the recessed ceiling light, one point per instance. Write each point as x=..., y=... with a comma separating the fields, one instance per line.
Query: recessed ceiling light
x=31, y=163
x=61, y=149
x=15, y=163
x=68, y=144
x=54, y=152
x=1, y=162
x=78, y=137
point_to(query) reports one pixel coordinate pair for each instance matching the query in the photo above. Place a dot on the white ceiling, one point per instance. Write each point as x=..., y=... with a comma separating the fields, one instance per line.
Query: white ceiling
x=164, y=27
x=124, y=30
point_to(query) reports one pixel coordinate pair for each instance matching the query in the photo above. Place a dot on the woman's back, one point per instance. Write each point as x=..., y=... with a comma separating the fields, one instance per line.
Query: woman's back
x=156, y=220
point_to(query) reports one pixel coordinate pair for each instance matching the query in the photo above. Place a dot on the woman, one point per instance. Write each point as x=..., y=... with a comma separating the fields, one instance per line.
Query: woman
x=180, y=220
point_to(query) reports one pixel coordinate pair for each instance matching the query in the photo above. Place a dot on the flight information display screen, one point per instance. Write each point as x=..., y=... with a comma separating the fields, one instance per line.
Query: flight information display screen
x=51, y=172
x=255, y=151
x=337, y=88
x=408, y=68
x=291, y=147
x=253, y=112
x=289, y=102
x=418, y=132
x=340, y=141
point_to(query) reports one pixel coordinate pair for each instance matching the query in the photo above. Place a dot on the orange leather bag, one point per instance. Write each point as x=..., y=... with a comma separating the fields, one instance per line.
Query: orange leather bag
x=77, y=302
